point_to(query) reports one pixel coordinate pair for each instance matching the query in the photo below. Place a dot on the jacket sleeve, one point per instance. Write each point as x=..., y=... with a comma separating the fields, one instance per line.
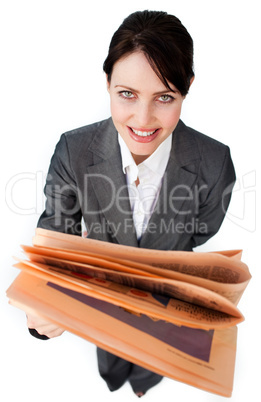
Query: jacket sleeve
x=37, y=335
x=213, y=209
x=62, y=211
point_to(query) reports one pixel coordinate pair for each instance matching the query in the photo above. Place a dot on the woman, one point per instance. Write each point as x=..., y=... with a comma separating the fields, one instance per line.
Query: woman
x=140, y=178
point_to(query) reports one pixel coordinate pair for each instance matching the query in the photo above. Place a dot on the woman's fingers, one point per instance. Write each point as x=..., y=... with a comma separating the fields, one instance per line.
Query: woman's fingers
x=43, y=326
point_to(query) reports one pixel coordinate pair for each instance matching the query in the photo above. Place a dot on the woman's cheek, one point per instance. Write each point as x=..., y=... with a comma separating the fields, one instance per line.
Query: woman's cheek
x=171, y=119
x=119, y=112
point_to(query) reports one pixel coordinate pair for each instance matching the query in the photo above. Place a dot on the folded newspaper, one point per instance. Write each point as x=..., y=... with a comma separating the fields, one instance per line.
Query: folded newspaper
x=172, y=312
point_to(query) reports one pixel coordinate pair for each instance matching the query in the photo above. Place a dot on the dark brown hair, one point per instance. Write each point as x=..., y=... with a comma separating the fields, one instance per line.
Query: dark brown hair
x=163, y=39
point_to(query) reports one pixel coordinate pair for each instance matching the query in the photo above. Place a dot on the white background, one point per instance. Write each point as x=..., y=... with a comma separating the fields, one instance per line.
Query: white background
x=52, y=81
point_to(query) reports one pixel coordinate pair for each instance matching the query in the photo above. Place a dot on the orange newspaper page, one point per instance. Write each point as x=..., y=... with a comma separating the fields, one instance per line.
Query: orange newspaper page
x=201, y=358
x=123, y=268
x=152, y=304
x=91, y=259
x=52, y=239
x=180, y=289
x=222, y=272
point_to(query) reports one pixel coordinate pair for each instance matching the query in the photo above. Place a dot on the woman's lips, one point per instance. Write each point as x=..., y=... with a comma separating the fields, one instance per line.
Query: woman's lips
x=143, y=135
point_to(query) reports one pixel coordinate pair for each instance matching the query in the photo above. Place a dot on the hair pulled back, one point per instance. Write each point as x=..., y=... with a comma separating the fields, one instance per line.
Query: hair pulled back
x=164, y=41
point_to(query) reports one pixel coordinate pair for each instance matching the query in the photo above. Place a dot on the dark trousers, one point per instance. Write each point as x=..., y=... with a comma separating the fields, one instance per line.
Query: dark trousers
x=116, y=371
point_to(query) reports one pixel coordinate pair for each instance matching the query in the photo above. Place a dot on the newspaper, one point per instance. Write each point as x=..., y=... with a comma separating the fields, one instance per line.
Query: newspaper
x=172, y=312
x=222, y=272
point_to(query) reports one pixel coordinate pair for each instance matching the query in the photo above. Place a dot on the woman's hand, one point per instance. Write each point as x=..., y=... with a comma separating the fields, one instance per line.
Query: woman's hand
x=43, y=326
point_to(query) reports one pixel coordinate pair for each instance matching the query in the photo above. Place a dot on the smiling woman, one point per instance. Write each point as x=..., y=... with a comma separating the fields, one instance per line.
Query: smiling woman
x=142, y=168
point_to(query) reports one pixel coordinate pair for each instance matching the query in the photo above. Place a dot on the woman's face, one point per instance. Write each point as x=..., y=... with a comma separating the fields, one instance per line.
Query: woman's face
x=144, y=111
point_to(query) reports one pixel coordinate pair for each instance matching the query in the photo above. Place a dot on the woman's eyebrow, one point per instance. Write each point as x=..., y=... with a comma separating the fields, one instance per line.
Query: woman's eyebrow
x=166, y=91
x=138, y=92
x=127, y=88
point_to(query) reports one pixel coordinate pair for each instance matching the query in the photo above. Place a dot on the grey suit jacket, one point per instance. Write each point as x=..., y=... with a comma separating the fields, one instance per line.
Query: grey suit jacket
x=86, y=181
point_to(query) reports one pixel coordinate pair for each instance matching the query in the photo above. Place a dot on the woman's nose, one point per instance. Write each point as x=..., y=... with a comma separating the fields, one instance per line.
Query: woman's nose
x=144, y=115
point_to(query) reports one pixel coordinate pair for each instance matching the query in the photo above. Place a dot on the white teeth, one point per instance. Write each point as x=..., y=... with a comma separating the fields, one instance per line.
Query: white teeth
x=143, y=133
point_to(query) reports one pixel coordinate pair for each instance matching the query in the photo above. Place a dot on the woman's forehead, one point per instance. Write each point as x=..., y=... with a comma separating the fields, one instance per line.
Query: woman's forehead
x=135, y=71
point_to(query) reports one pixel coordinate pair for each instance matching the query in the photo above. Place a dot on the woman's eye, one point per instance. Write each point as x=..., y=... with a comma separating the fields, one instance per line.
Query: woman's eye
x=127, y=94
x=166, y=98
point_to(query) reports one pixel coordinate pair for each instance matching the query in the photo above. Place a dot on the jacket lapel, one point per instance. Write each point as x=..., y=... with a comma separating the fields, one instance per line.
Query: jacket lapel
x=109, y=185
